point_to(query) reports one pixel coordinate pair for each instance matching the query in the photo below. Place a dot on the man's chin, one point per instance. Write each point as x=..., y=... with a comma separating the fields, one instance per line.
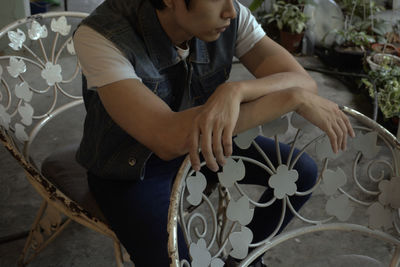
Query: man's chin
x=210, y=38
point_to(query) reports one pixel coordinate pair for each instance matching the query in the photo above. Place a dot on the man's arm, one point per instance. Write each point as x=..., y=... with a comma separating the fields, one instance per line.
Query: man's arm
x=281, y=86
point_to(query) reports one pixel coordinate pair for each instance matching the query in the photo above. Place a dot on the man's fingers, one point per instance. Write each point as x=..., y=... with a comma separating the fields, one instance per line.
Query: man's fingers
x=227, y=141
x=206, y=150
x=217, y=146
x=194, y=151
x=343, y=129
x=333, y=139
x=350, y=130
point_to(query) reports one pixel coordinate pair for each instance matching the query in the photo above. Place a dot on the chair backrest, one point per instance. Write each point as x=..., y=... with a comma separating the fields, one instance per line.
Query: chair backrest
x=356, y=191
x=41, y=81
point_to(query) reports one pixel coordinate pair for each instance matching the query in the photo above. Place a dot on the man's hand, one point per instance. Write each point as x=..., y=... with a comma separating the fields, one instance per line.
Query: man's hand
x=328, y=117
x=213, y=127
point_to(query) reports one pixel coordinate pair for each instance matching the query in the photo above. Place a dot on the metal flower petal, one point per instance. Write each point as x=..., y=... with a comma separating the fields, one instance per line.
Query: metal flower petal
x=52, y=73
x=390, y=192
x=201, y=257
x=16, y=67
x=37, y=31
x=232, y=172
x=5, y=118
x=17, y=39
x=240, y=211
x=240, y=242
x=332, y=180
x=324, y=150
x=71, y=47
x=20, y=132
x=339, y=207
x=244, y=140
x=366, y=143
x=283, y=181
x=217, y=262
x=60, y=25
x=22, y=91
x=275, y=127
x=196, y=185
x=26, y=113
x=379, y=217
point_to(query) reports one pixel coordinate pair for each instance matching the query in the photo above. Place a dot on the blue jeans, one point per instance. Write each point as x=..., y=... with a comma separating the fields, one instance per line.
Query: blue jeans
x=137, y=210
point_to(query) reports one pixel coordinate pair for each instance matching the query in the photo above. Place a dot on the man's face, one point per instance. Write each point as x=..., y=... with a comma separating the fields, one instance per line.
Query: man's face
x=205, y=19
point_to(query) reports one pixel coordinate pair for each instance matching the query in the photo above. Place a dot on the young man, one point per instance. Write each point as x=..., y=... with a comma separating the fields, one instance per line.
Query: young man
x=156, y=74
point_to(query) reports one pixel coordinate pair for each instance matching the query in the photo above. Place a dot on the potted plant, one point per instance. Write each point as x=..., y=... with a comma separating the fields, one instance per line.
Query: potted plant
x=381, y=61
x=360, y=31
x=288, y=18
x=384, y=84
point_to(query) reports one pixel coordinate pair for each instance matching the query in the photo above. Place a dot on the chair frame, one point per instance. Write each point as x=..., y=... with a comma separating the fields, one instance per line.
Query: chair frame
x=178, y=213
x=54, y=200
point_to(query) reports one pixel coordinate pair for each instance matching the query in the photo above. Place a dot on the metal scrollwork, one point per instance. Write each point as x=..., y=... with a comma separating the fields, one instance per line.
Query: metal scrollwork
x=371, y=183
x=17, y=107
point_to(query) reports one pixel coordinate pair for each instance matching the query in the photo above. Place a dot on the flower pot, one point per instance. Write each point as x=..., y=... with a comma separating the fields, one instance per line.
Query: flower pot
x=386, y=49
x=376, y=60
x=291, y=41
x=348, y=58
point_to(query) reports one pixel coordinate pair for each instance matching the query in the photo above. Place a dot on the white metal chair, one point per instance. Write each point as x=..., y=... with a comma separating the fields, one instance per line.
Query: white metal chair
x=40, y=83
x=357, y=191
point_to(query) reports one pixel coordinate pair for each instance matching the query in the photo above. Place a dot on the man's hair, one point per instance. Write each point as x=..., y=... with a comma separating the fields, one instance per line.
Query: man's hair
x=159, y=4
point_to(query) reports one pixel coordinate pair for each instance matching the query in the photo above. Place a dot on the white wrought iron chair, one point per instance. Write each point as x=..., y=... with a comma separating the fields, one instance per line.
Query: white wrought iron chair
x=40, y=83
x=356, y=191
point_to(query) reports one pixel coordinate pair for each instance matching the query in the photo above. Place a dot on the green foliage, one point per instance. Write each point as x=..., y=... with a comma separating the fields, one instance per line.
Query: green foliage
x=387, y=84
x=352, y=37
x=287, y=17
x=360, y=28
x=359, y=8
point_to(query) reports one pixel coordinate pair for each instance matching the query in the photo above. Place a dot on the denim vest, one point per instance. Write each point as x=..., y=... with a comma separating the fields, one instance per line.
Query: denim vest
x=106, y=150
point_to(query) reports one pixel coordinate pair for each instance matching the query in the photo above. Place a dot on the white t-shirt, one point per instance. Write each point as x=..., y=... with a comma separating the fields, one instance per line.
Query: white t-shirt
x=103, y=63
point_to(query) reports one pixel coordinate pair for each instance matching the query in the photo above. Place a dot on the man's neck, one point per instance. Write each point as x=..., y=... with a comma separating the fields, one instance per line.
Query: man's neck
x=175, y=33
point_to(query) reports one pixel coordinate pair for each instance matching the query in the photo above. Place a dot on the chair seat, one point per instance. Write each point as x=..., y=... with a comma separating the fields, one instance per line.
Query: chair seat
x=69, y=177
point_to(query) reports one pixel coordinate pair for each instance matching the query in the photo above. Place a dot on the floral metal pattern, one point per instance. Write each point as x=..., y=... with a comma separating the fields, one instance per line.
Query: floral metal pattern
x=60, y=25
x=333, y=180
x=196, y=185
x=5, y=118
x=37, y=31
x=17, y=113
x=23, y=92
x=16, y=67
x=240, y=211
x=202, y=257
x=284, y=182
x=233, y=171
x=236, y=209
x=17, y=39
x=339, y=207
x=52, y=73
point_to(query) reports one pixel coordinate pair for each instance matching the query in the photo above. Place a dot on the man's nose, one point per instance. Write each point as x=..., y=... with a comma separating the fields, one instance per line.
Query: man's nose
x=229, y=11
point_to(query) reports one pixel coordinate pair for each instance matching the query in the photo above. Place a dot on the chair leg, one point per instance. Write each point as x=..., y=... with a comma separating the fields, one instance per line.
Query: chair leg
x=47, y=221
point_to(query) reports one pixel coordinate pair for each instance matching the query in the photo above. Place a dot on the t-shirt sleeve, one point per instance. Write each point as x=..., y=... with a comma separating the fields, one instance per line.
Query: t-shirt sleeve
x=101, y=61
x=249, y=31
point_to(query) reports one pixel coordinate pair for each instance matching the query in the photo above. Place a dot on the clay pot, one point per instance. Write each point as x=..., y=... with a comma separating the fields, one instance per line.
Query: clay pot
x=291, y=41
x=389, y=49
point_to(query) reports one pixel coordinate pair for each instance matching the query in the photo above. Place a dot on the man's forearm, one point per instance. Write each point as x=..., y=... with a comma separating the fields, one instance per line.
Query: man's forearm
x=253, y=89
x=267, y=108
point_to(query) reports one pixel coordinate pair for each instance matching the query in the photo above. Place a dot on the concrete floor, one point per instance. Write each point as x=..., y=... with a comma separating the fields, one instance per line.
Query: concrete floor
x=78, y=246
